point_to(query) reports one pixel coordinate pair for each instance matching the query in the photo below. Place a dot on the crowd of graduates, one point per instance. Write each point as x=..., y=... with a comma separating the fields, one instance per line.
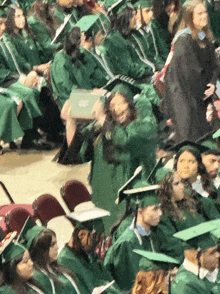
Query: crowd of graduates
x=154, y=67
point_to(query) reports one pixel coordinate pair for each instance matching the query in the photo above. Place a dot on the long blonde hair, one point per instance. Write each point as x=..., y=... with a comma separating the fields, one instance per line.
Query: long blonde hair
x=187, y=21
x=149, y=282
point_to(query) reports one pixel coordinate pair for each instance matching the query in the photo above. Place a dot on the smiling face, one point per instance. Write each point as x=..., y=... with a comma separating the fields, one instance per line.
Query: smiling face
x=19, y=19
x=25, y=267
x=187, y=166
x=200, y=16
x=120, y=109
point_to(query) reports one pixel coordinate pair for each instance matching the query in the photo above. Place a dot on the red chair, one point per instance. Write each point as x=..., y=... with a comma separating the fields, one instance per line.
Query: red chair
x=47, y=207
x=15, y=219
x=73, y=193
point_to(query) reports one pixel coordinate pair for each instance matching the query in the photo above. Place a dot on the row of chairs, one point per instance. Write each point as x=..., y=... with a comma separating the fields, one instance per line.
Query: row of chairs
x=47, y=207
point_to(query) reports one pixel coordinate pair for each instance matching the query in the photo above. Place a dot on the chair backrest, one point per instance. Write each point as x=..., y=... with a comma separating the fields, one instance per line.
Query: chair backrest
x=15, y=219
x=46, y=207
x=73, y=193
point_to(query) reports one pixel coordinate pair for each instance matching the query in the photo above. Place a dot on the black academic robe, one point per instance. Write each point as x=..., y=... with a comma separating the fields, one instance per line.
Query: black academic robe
x=190, y=70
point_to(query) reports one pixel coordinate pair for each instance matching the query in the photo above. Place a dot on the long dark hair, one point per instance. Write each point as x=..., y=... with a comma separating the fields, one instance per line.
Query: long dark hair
x=72, y=46
x=121, y=22
x=10, y=23
x=39, y=252
x=12, y=278
x=108, y=147
x=205, y=179
x=42, y=12
x=164, y=193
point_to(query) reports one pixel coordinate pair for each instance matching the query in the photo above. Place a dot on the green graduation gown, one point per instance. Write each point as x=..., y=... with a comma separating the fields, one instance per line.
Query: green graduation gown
x=122, y=262
x=10, y=70
x=26, y=48
x=122, y=58
x=8, y=290
x=130, y=146
x=169, y=226
x=90, y=272
x=187, y=282
x=43, y=37
x=62, y=286
x=66, y=76
x=10, y=128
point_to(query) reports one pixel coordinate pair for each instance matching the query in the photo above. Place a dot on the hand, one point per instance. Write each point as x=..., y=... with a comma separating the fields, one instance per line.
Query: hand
x=98, y=112
x=210, y=91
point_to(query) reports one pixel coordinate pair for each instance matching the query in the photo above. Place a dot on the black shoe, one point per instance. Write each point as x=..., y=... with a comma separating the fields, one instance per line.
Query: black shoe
x=13, y=146
x=35, y=145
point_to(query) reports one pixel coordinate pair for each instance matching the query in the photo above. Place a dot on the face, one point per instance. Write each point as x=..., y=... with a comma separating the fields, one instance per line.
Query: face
x=212, y=163
x=178, y=188
x=200, y=17
x=120, y=109
x=147, y=14
x=19, y=19
x=25, y=267
x=133, y=20
x=151, y=214
x=83, y=38
x=170, y=9
x=187, y=166
x=2, y=25
x=210, y=258
x=89, y=240
x=53, y=251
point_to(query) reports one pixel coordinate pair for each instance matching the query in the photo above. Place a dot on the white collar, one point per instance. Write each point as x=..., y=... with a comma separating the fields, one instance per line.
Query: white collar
x=197, y=186
x=216, y=182
x=203, y=273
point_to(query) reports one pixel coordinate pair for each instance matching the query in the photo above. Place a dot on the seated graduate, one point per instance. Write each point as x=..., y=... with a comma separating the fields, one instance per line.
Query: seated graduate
x=42, y=245
x=43, y=26
x=142, y=234
x=117, y=143
x=79, y=254
x=181, y=210
x=20, y=85
x=117, y=51
x=17, y=268
x=188, y=164
x=74, y=68
x=199, y=271
x=154, y=274
x=156, y=47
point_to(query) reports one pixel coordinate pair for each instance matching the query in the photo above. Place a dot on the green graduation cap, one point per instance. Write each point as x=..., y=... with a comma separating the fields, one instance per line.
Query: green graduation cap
x=32, y=234
x=157, y=173
x=200, y=236
x=208, y=141
x=151, y=261
x=8, y=249
x=123, y=85
x=116, y=7
x=88, y=216
x=143, y=4
x=216, y=134
x=3, y=13
x=143, y=194
x=189, y=145
x=89, y=22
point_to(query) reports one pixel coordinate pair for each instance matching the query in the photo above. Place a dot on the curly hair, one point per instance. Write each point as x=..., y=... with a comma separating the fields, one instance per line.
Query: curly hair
x=205, y=178
x=149, y=282
x=164, y=193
